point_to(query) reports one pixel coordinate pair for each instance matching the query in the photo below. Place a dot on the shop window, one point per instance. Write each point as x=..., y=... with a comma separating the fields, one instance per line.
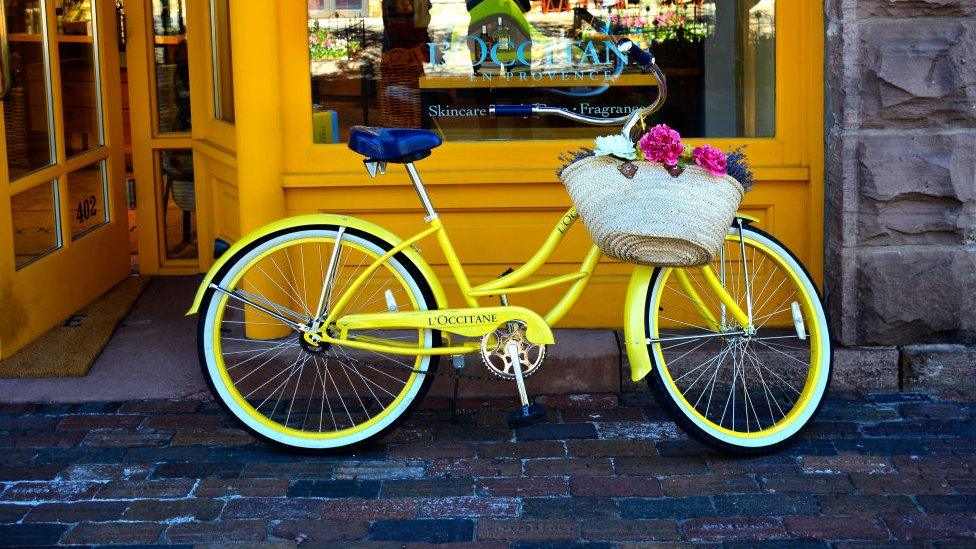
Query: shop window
x=414, y=63
x=80, y=89
x=87, y=199
x=223, y=73
x=36, y=223
x=178, y=191
x=328, y=8
x=172, y=65
x=28, y=124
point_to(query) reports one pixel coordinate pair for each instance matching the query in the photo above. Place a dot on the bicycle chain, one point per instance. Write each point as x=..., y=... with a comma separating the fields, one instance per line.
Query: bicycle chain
x=455, y=375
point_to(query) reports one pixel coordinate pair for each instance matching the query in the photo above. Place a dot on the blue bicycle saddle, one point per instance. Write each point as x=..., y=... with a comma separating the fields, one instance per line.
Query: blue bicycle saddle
x=392, y=144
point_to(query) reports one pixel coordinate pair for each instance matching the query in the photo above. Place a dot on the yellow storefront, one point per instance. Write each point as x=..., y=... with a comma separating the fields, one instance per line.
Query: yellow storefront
x=252, y=124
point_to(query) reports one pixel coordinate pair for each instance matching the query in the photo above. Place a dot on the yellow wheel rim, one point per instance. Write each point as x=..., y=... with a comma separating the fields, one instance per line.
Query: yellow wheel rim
x=246, y=406
x=815, y=334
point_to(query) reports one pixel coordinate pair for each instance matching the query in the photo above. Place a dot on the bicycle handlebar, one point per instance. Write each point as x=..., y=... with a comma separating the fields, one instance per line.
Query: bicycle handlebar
x=511, y=110
x=629, y=121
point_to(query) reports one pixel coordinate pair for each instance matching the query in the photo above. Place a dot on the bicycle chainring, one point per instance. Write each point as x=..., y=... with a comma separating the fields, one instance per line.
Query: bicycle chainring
x=494, y=351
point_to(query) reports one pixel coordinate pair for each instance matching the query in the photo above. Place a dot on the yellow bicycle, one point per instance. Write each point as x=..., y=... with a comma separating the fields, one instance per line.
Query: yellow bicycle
x=323, y=332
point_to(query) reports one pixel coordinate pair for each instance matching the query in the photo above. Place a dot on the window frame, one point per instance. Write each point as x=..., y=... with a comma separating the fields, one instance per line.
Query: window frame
x=785, y=156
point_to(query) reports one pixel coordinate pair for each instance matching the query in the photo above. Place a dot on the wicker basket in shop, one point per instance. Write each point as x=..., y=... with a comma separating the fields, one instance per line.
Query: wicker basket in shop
x=399, y=89
x=166, y=97
x=15, y=117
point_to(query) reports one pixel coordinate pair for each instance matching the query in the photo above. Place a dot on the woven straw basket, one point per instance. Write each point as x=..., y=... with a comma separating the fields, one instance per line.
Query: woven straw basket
x=399, y=89
x=654, y=218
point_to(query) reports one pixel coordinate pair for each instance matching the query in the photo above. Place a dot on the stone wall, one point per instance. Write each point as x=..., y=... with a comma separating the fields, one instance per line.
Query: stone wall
x=901, y=171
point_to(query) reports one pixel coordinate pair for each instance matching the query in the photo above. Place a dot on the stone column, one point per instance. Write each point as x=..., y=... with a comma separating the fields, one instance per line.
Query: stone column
x=901, y=178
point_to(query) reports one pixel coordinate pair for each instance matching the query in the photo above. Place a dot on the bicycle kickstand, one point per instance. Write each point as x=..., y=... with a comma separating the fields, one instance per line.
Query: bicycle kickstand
x=458, y=363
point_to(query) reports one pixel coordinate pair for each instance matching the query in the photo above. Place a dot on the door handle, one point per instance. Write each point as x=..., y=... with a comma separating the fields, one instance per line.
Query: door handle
x=6, y=78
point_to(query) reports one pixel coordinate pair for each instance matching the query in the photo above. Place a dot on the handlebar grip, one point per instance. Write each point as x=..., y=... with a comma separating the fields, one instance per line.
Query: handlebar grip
x=511, y=110
x=635, y=53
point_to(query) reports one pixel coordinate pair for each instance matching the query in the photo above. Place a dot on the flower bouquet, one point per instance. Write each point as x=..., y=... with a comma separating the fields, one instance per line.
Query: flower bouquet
x=658, y=202
x=325, y=45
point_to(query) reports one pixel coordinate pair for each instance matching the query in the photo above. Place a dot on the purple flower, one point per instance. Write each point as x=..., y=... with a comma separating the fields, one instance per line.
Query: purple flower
x=662, y=144
x=713, y=160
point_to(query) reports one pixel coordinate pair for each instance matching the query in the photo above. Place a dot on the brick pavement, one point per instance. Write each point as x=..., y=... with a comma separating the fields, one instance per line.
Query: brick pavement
x=875, y=470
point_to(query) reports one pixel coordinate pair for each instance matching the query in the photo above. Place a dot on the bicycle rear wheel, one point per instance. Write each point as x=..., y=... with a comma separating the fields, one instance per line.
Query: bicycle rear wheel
x=744, y=394
x=288, y=391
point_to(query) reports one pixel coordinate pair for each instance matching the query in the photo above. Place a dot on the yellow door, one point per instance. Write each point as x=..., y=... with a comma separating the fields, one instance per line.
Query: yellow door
x=63, y=226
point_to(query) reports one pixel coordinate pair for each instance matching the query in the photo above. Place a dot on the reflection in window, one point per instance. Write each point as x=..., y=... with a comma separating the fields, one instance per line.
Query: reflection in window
x=178, y=203
x=223, y=71
x=37, y=231
x=26, y=111
x=80, y=95
x=172, y=65
x=87, y=199
x=440, y=64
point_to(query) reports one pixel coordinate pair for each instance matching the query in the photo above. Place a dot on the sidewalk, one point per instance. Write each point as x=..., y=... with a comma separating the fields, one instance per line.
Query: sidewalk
x=153, y=355
x=873, y=470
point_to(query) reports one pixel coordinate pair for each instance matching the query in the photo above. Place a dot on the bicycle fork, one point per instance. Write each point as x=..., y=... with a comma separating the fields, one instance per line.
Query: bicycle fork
x=729, y=307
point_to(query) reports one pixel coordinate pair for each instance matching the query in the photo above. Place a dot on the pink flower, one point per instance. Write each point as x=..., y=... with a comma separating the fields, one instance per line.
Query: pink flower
x=713, y=160
x=312, y=39
x=662, y=144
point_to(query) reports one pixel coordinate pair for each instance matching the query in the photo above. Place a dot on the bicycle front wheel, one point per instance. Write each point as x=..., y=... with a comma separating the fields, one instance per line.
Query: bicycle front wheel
x=287, y=390
x=740, y=393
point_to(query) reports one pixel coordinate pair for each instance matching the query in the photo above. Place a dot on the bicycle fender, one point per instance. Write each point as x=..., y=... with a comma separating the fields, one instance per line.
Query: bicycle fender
x=749, y=219
x=320, y=219
x=635, y=340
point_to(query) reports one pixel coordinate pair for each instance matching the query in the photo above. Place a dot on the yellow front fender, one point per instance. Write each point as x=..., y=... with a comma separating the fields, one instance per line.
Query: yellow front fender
x=321, y=219
x=635, y=320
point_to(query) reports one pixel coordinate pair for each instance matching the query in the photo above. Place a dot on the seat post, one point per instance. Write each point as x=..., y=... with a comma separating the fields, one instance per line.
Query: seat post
x=421, y=191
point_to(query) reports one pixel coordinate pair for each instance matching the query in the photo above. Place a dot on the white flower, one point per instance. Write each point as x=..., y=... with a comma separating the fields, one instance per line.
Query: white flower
x=615, y=145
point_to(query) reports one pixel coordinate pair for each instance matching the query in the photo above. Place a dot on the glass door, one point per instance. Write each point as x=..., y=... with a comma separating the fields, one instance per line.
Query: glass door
x=63, y=230
x=158, y=64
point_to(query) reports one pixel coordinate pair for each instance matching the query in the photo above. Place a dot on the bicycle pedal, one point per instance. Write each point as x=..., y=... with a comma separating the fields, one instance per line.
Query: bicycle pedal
x=526, y=415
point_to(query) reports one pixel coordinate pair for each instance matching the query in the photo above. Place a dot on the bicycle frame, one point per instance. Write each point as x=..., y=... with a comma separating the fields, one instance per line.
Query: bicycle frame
x=477, y=320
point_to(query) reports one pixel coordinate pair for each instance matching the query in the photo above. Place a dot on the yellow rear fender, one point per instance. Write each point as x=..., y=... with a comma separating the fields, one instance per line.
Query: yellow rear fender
x=320, y=219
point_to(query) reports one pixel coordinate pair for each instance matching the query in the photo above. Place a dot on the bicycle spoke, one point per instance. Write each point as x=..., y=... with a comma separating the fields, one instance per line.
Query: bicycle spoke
x=711, y=391
x=766, y=390
x=705, y=371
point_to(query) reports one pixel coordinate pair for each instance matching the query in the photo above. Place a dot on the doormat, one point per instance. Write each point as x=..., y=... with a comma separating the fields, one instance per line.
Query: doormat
x=70, y=349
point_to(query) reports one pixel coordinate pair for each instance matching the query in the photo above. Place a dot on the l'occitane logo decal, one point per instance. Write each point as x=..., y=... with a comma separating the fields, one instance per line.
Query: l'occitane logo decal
x=567, y=221
x=460, y=320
